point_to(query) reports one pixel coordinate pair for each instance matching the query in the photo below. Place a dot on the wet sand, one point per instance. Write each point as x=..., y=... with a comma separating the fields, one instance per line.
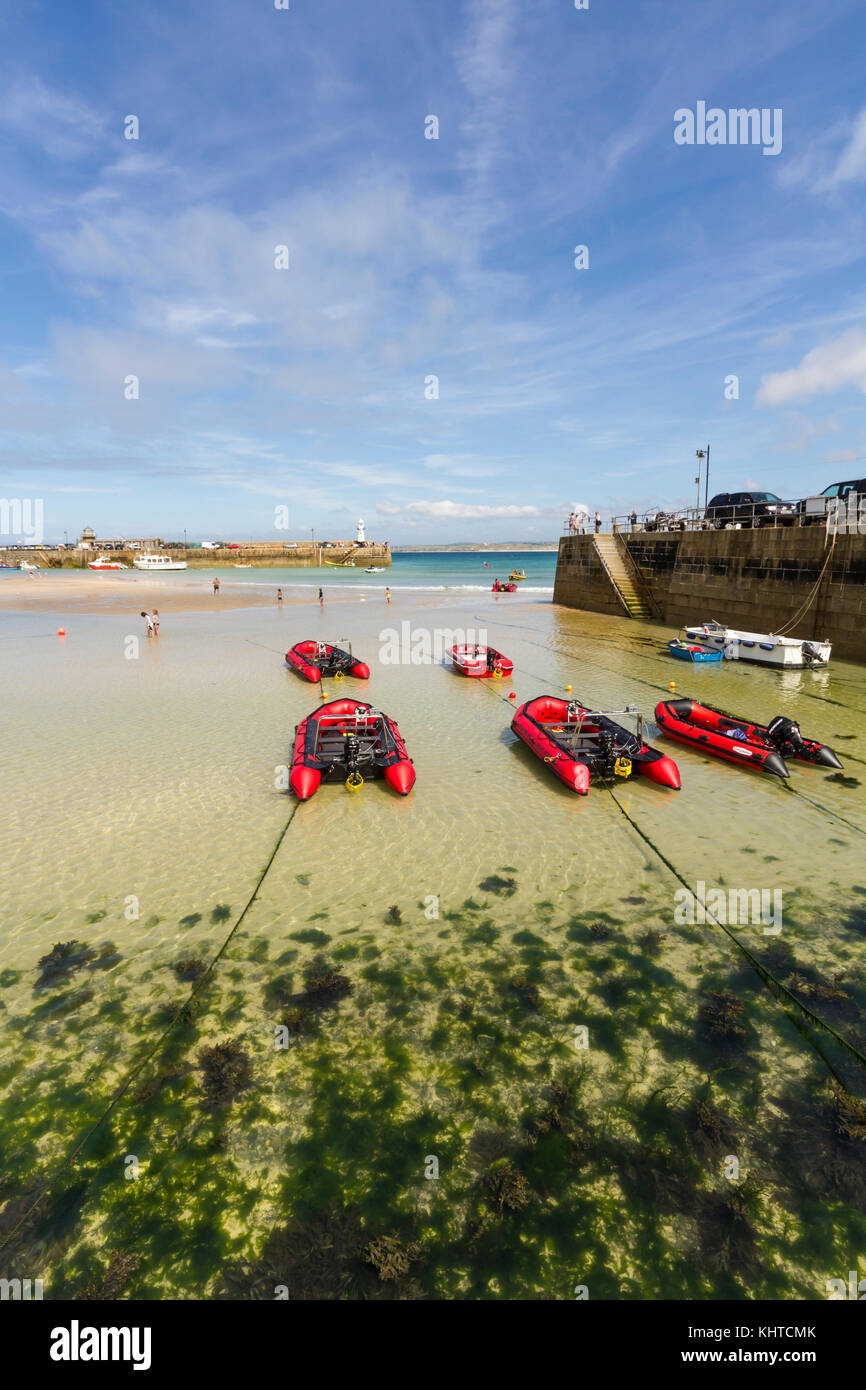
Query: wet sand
x=102, y=593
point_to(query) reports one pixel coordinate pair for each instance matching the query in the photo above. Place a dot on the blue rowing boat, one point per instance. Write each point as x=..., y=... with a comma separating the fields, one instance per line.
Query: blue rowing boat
x=692, y=651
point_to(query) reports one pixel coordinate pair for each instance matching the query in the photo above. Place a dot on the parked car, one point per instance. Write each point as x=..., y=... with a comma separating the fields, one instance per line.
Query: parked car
x=814, y=509
x=750, y=509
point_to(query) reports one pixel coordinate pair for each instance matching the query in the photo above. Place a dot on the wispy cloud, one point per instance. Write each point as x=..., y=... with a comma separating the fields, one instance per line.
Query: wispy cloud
x=829, y=368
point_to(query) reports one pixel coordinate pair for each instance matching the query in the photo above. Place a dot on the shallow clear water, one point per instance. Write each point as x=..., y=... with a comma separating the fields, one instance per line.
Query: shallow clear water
x=141, y=807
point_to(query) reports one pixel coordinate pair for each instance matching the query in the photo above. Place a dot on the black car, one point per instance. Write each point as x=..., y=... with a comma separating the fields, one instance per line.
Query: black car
x=750, y=509
x=815, y=509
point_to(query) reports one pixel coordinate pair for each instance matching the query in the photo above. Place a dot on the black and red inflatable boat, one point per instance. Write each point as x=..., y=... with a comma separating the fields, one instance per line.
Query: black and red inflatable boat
x=582, y=746
x=317, y=659
x=738, y=740
x=352, y=741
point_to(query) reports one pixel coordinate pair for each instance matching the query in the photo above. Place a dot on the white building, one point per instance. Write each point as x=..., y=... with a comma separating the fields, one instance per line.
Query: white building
x=360, y=536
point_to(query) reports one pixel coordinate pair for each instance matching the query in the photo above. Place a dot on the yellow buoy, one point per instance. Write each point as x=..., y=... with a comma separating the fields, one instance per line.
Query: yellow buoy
x=324, y=694
x=672, y=685
x=568, y=687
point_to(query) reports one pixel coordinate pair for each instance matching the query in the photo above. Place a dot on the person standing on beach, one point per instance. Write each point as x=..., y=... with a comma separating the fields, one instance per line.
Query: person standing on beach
x=388, y=595
x=155, y=622
x=279, y=595
x=149, y=620
x=216, y=587
x=321, y=597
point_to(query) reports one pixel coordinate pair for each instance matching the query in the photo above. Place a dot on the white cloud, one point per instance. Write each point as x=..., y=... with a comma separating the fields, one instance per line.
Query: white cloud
x=836, y=158
x=826, y=369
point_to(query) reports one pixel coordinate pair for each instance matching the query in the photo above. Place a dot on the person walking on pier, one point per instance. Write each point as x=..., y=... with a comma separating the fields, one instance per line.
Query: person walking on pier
x=597, y=521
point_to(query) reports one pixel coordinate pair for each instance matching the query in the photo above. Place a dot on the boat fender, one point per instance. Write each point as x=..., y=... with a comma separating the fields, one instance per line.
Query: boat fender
x=729, y=651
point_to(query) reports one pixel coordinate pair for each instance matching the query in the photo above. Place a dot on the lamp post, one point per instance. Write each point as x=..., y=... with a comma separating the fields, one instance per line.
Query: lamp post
x=700, y=454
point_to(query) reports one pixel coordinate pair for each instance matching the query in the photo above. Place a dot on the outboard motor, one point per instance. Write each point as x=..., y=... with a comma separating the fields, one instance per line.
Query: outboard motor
x=606, y=760
x=811, y=653
x=785, y=735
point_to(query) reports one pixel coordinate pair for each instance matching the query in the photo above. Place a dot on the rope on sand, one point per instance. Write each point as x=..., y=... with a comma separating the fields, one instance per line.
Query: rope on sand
x=138, y=1067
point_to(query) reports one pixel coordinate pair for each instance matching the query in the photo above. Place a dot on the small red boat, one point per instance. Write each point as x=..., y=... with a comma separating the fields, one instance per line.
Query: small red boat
x=583, y=746
x=739, y=741
x=479, y=661
x=317, y=659
x=350, y=740
x=498, y=588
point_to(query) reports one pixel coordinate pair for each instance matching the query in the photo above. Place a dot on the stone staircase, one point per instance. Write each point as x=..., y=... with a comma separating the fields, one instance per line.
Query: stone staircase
x=634, y=597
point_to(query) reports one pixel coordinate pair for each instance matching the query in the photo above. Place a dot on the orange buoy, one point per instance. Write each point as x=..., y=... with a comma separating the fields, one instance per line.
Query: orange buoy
x=511, y=695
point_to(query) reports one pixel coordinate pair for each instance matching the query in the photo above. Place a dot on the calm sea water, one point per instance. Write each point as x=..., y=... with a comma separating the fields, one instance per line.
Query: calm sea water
x=479, y=922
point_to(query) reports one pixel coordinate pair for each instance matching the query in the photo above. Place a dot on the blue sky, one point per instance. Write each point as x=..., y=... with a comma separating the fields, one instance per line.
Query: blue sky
x=411, y=257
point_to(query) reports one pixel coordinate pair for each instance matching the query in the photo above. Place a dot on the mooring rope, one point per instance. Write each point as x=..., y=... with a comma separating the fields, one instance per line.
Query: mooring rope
x=812, y=592
x=138, y=1067
x=770, y=980
x=779, y=990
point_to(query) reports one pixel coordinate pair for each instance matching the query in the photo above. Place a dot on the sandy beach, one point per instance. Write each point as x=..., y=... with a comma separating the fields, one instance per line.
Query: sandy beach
x=55, y=592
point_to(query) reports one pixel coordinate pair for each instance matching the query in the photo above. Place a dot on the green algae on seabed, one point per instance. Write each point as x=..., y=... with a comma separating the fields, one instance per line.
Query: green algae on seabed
x=309, y=1166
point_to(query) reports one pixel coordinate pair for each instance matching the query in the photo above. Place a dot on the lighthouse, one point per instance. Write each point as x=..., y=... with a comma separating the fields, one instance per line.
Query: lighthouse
x=360, y=536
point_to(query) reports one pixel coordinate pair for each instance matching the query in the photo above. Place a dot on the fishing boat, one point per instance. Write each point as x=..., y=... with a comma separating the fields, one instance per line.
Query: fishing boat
x=317, y=659
x=517, y=575
x=103, y=563
x=693, y=651
x=499, y=588
x=151, y=561
x=237, y=565
x=581, y=745
x=472, y=660
x=736, y=740
x=352, y=741
x=765, y=649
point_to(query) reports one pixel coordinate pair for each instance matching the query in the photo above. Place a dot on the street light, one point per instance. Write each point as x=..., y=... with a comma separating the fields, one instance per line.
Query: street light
x=700, y=454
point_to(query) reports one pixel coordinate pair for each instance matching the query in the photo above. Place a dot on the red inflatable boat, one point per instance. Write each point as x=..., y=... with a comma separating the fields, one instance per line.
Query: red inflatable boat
x=317, y=659
x=582, y=746
x=498, y=588
x=350, y=740
x=480, y=661
x=739, y=741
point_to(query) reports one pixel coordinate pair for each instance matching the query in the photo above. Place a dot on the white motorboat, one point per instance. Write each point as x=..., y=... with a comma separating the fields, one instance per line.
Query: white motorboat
x=158, y=563
x=103, y=563
x=374, y=569
x=27, y=568
x=242, y=567
x=765, y=649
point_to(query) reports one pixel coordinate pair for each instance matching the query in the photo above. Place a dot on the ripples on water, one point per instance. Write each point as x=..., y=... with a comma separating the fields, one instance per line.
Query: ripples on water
x=152, y=781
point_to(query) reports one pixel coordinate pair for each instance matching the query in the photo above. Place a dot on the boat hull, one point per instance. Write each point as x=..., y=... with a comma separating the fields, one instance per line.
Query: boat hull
x=310, y=661
x=693, y=651
x=322, y=749
x=762, y=649
x=734, y=740
x=543, y=725
x=479, y=662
